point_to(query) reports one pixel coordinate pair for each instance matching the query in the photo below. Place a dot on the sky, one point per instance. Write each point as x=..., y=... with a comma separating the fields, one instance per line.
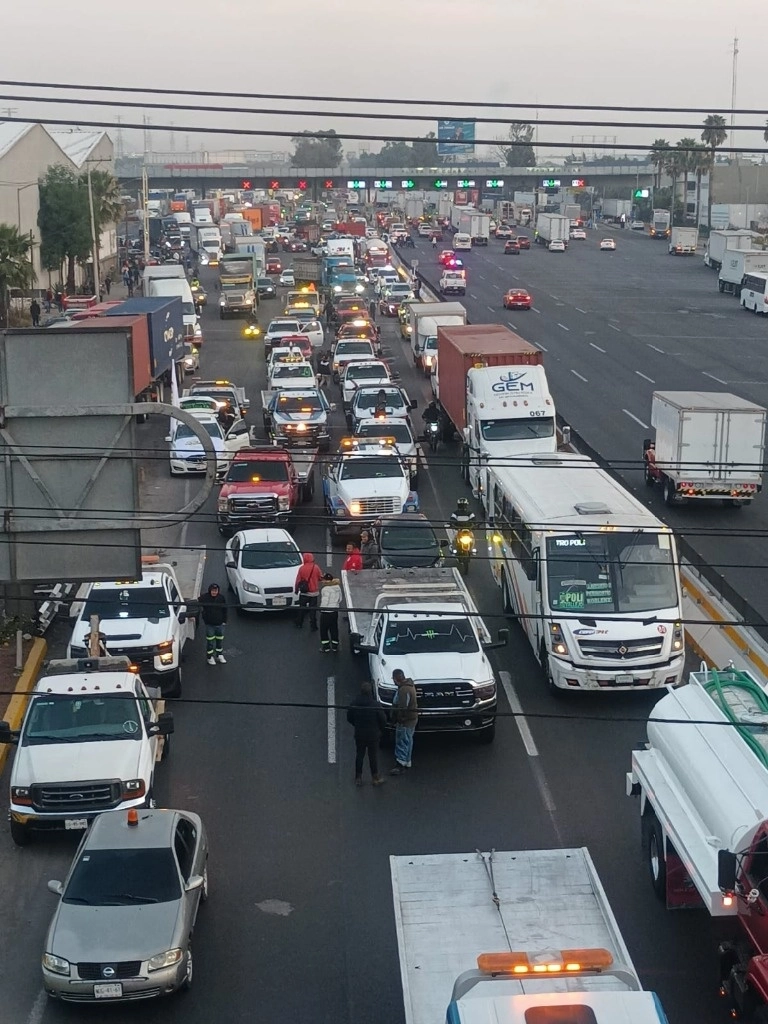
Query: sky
x=649, y=53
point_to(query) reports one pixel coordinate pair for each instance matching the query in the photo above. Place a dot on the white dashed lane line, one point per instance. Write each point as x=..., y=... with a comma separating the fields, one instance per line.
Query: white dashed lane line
x=635, y=418
x=597, y=347
x=576, y=374
x=649, y=379
x=563, y=326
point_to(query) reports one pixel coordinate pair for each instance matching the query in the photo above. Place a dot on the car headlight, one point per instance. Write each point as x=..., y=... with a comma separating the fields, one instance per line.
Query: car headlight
x=355, y=508
x=251, y=588
x=486, y=691
x=677, y=637
x=223, y=504
x=557, y=640
x=133, y=789
x=283, y=504
x=21, y=795
x=167, y=959
x=55, y=964
x=222, y=302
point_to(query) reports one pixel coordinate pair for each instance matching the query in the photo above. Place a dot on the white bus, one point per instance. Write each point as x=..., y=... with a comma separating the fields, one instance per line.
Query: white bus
x=591, y=573
x=754, y=292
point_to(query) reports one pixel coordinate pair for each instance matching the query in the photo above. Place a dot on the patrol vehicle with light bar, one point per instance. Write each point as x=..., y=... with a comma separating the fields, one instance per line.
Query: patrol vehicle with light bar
x=366, y=481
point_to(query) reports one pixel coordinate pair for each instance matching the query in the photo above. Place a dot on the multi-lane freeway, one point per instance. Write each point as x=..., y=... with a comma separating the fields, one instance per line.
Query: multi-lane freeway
x=299, y=926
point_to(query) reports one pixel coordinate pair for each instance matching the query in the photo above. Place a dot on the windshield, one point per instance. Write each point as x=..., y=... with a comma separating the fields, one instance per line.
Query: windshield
x=284, y=327
x=611, y=572
x=68, y=719
x=128, y=603
x=266, y=282
x=183, y=431
x=370, y=399
x=120, y=878
x=307, y=404
x=353, y=348
x=269, y=471
x=292, y=371
x=371, y=468
x=413, y=537
x=360, y=372
x=430, y=636
x=430, y=345
x=400, y=432
x=188, y=309
x=277, y=555
x=399, y=289
x=519, y=429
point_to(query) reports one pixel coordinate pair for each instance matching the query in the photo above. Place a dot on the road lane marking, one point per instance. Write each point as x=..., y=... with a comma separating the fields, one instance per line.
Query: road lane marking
x=555, y=297
x=597, y=347
x=520, y=720
x=535, y=310
x=579, y=309
x=37, y=1012
x=655, y=348
x=649, y=379
x=615, y=328
x=576, y=374
x=473, y=296
x=328, y=547
x=563, y=326
x=331, y=698
x=713, y=377
x=633, y=417
x=492, y=309
x=537, y=345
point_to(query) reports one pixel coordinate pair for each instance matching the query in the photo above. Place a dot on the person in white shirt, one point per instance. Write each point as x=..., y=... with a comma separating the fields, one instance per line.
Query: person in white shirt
x=330, y=601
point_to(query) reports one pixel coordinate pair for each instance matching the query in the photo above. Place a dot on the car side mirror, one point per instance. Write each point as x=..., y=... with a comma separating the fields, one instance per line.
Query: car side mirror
x=195, y=882
x=231, y=565
x=414, y=405
x=6, y=736
x=165, y=724
x=168, y=438
x=56, y=887
x=182, y=617
x=503, y=636
x=726, y=870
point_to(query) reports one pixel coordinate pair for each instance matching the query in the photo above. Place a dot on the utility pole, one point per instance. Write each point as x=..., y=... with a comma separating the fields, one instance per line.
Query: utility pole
x=94, y=241
x=145, y=219
x=119, y=148
x=733, y=93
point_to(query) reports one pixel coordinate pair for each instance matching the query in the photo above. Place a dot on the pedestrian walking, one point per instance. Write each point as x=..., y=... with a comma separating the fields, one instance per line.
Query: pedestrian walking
x=324, y=369
x=372, y=310
x=213, y=611
x=330, y=601
x=354, y=561
x=369, y=723
x=48, y=299
x=107, y=284
x=307, y=586
x=129, y=285
x=369, y=550
x=34, y=312
x=60, y=301
x=406, y=707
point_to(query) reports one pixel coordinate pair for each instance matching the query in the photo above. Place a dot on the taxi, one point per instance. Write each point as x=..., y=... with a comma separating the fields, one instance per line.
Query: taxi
x=517, y=298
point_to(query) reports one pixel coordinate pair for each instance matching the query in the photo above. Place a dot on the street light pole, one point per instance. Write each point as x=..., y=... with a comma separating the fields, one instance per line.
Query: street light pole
x=94, y=241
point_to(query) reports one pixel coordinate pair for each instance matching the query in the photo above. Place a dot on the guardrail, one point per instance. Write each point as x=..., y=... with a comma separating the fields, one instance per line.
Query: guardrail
x=56, y=597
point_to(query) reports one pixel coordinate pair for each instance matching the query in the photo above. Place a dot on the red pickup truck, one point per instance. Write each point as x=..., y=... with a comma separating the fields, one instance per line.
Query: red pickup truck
x=263, y=486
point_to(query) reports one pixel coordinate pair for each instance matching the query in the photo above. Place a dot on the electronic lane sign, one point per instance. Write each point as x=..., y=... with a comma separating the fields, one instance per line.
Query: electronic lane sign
x=550, y=183
x=465, y=183
x=355, y=183
x=641, y=193
x=328, y=184
x=494, y=183
x=382, y=183
x=578, y=182
x=440, y=183
x=407, y=183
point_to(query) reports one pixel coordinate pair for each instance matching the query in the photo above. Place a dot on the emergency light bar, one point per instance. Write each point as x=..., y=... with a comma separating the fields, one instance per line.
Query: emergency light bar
x=564, y=961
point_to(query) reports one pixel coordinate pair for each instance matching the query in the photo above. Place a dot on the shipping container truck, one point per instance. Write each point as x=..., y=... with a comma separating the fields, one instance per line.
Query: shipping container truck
x=719, y=241
x=736, y=264
x=660, y=224
x=524, y=937
x=708, y=445
x=683, y=241
x=551, y=227
x=167, y=341
x=136, y=329
x=307, y=270
x=615, y=209
x=253, y=215
x=460, y=218
x=702, y=786
x=414, y=209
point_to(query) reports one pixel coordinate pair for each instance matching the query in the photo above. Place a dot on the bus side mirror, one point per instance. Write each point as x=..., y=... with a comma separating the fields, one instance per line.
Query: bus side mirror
x=726, y=870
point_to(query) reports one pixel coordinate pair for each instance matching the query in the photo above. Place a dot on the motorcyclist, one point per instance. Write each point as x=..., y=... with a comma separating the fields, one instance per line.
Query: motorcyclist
x=462, y=518
x=431, y=414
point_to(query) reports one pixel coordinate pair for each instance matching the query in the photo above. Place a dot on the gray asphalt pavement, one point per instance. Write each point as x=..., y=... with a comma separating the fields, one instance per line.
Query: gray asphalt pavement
x=299, y=926
x=617, y=326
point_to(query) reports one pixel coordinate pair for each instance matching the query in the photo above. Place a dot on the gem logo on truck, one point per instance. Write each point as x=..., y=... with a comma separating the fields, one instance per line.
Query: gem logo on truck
x=512, y=382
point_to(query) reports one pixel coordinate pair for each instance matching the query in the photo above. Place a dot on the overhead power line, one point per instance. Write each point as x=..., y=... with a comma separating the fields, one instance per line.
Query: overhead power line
x=377, y=100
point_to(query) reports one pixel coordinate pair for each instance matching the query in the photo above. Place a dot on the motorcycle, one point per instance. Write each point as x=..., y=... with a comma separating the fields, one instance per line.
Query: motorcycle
x=433, y=435
x=463, y=548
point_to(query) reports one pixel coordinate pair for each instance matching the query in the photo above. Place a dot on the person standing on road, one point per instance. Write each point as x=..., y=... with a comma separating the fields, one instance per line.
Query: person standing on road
x=107, y=284
x=213, y=610
x=330, y=601
x=34, y=312
x=372, y=310
x=369, y=722
x=369, y=550
x=324, y=369
x=406, y=707
x=307, y=586
x=48, y=299
x=353, y=562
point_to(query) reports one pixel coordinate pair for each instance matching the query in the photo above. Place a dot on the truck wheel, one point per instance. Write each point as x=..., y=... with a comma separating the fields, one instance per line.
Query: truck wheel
x=172, y=686
x=720, y=286
x=554, y=691
x=670, y=496
x=653, y=850
x=487, y=736
x=20, y=834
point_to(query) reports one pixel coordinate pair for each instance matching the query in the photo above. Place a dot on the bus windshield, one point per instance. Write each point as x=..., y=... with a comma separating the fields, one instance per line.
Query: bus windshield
x=611, y=573
x=526, y=429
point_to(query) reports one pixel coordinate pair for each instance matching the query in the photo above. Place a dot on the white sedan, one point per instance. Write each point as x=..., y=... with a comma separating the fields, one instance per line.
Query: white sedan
x=187, y=454
x=607, y=245
x=556, y=245
x=261, y=567
x=578, y=234
x=287, y=278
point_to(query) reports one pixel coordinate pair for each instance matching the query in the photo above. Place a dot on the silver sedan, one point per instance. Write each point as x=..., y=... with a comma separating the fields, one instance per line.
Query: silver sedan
x=123, y=926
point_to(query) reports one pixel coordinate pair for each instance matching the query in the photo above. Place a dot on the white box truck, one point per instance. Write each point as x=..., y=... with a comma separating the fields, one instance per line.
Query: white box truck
x=736, y=264
x=512, y=937
x=683, y=241
x=708, y=445
x=719, y=241
x=551, y=227
x=426, y=317
x=479, y=228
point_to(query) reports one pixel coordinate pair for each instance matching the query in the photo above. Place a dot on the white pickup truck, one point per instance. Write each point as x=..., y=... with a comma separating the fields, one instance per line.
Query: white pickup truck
x=426, y=624
x=367, y=480
x=91, y=737
x=453, y=282
x=146, y=620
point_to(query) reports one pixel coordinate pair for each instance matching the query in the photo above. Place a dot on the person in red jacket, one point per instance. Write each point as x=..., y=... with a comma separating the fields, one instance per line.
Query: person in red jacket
x=307, y=586
x=354, y=559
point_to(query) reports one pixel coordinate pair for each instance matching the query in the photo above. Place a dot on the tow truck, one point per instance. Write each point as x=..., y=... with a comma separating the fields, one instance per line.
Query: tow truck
x=298, y=418
x=367, y=480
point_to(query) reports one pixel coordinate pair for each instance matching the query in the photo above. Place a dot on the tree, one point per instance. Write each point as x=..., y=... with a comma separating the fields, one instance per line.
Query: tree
x=713, y=136
x=687, y=161
x=64, y=221
x=107, y=198
x=518, y=151
x=16, y=270
x=658, y=157
x=316, y=149
x=424, y=152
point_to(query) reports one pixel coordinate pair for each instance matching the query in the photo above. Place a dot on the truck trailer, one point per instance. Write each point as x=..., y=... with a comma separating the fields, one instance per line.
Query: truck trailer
x=736, y=264
x=719, y=241
x=551, y=227
x=660, y=224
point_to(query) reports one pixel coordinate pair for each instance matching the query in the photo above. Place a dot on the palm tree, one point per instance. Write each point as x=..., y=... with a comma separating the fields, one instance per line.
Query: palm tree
x=658, y=157
x=702, y=165
x=713, y=136
x=16, y=270
x=685, y=164
x=107, y=198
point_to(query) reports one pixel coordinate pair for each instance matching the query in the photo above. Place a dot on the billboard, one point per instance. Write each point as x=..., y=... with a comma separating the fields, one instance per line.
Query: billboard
x=455, y=138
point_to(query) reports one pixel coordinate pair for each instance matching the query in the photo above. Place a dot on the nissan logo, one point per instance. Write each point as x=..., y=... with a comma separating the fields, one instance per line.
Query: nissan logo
x=108, y=972
x=623, y=650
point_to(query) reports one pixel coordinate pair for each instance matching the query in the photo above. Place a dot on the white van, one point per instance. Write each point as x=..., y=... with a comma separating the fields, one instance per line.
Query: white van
x=754, y=292
x=461, y=241
x=169, y=286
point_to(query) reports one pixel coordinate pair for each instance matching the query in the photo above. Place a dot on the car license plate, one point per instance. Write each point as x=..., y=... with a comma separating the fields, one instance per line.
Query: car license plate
x=75, y=823
x=278, y=602
x=624, y=678
x=111, y=991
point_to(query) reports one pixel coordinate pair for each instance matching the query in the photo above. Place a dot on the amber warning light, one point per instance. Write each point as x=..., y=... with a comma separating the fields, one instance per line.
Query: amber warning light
x=564, y=961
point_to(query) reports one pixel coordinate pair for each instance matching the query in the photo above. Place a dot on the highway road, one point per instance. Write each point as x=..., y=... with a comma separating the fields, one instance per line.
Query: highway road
x=617, y=326
x=299, y=927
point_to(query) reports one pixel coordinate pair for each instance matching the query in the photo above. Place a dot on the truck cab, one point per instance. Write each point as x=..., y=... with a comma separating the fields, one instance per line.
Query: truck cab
x=263, y=485
x=366, y=481
x=89, y=742
x=298, y=418
x=291, y=373
x=453, y=282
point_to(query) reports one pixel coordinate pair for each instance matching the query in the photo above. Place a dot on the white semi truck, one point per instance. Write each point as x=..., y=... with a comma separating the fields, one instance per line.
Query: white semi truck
x=719, y=241
x=526, y=937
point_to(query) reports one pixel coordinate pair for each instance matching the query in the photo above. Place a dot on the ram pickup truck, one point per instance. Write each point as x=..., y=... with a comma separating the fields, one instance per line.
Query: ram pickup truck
x=91, y=737
x=264, y=484
x=426, y=624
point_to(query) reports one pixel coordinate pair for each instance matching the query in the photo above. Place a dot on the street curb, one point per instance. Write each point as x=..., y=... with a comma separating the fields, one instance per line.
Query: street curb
x=26, y=681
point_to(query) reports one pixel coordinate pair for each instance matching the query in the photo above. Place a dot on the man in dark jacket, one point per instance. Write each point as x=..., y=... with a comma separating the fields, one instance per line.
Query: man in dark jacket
x=368, y=720
x=213, y=611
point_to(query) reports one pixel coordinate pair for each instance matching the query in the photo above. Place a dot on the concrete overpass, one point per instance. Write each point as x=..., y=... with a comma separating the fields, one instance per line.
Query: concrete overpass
x=487, y=178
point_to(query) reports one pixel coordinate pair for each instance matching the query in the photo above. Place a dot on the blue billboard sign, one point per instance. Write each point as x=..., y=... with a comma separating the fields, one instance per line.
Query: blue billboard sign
x=455, y=138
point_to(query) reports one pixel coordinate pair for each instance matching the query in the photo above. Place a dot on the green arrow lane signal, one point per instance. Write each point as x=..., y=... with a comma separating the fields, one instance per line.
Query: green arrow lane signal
x=407, y=183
